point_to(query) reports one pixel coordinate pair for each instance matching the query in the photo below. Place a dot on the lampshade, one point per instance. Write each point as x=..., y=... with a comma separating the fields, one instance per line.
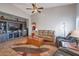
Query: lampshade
x=75, y=33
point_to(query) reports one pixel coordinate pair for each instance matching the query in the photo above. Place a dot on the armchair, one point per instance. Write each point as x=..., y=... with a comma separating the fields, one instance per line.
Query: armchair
x=69, y=40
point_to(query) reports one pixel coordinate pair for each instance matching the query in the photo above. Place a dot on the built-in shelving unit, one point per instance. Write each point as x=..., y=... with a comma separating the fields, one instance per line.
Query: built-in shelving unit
x=11, y=29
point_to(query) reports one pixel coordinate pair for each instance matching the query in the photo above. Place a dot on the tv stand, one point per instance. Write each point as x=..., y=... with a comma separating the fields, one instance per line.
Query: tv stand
x=10, y=29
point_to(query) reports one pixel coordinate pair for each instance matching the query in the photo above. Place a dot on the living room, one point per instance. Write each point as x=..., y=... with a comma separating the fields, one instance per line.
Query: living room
x=39, y=29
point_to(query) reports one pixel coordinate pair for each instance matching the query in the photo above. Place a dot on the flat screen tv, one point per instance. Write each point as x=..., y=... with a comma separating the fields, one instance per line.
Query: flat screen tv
x=15, y=26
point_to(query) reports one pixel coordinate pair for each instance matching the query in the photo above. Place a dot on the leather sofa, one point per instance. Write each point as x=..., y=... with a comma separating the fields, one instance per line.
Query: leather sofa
x=47, y=35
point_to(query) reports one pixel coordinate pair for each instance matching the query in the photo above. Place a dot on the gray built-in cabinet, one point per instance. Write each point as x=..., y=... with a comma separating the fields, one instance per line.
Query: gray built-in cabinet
x=11, y=29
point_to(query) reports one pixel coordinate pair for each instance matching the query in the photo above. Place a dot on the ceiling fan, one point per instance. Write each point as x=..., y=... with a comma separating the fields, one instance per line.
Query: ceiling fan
x=35, y=8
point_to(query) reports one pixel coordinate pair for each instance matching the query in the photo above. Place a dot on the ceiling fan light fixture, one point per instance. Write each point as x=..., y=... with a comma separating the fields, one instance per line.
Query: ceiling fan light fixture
x=35, y=10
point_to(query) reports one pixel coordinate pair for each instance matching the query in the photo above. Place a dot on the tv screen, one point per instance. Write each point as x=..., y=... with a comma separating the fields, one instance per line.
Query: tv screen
x=15, y=26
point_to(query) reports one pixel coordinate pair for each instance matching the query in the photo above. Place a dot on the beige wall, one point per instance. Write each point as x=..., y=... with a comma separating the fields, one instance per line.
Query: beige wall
x=54, y=18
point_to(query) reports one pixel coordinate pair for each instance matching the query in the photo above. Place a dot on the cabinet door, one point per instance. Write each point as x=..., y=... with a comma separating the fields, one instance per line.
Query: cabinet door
x=16, y=34
x=6, y=37
x=24, y=33
x=10, y=35
x=2, y=38
x=20, y=33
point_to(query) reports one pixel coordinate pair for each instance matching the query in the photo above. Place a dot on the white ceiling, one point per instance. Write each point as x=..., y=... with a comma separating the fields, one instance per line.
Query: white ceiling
x=23, y=6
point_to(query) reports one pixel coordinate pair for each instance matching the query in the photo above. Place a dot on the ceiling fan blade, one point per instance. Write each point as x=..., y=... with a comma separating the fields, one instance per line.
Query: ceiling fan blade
x=41, y=8
x=33, y=4
x=39, y=11
x=29, y=8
